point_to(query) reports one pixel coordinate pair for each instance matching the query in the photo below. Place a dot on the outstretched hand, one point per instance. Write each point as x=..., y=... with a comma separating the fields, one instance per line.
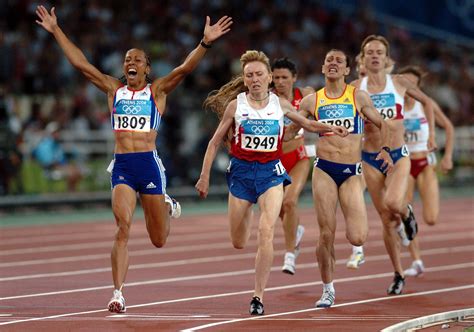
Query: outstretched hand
x=212, y=32
x=47, y=20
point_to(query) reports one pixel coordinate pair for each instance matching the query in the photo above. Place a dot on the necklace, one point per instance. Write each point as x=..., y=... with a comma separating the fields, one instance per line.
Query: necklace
x=268, y=95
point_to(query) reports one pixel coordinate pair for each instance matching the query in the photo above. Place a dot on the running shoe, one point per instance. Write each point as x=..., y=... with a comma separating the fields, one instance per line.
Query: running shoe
x=256, y=306
x=299, y=236
x=117, y=303
x=403, y=235
x=356, y=260
x=416, y=269
x=289, y=263
x=396, y=287
x=326, y=300
x=411, y=227
x=175, y=211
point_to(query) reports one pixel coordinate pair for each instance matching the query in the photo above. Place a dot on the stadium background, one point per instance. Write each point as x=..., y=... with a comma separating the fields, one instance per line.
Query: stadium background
x=38, y=86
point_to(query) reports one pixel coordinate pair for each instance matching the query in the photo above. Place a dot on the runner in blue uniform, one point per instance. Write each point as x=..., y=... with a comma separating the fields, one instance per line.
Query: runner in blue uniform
x=136, y=110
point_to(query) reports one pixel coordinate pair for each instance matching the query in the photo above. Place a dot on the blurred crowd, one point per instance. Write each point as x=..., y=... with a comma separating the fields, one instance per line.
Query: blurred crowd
x=38, y=85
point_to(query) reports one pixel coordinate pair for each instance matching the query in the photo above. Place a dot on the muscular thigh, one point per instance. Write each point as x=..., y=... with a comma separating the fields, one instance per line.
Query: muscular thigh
x=239, y=209
x=270, y=202
x=325, y=196
x=155, y=209
x=299, y=176
x=351, y=198
x=397, y=180
x=375, y=182
x=428, y=187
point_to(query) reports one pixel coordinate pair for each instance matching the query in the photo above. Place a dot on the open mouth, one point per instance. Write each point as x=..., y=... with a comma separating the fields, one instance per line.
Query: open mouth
x=132, y=73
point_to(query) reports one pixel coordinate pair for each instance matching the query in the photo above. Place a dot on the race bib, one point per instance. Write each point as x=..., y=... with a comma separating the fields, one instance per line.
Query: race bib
x=260, y=135
x=412, y=124
x=385, y=105
x=133, y=115
x=341, y=115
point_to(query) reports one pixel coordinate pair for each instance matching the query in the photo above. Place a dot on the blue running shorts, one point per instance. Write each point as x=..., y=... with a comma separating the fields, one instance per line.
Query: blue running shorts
x=142, y=171
x=397, y=154
x=249, y=179
x=338, y=172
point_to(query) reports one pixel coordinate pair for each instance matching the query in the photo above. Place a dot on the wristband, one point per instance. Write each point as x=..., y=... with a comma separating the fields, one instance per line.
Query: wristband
x=386, y=148
x=203, y=44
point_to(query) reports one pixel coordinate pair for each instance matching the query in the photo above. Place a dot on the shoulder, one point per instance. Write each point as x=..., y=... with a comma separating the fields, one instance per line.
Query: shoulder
x=306, y=90
x=356, y=83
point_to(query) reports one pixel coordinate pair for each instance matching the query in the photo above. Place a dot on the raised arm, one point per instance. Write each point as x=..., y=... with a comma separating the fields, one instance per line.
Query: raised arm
x=366, y=107
x=300, y=118
x=413, y=91
x=442, y=120
x=202, y=186
x=211, y=32
x=75, y=56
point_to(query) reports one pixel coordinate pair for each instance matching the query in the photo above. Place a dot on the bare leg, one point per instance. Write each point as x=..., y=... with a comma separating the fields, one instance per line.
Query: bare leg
x=157, y=218
x=123, y=206
x=240, y=216
x=270, y=204
x=299, y=175
x=325, y=198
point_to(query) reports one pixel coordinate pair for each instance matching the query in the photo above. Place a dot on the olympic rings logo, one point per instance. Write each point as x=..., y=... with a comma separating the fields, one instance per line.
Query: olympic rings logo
x=379, y=103
x=260, y=130
x=334, y=113
x=131, y=109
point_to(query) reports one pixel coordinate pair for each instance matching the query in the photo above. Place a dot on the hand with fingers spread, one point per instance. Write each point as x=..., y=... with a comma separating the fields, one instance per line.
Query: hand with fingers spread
x=47, y=20
x=213, y=32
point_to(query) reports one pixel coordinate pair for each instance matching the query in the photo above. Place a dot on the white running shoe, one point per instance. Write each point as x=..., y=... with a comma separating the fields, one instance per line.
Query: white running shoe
x=289, y=264
x=175, y=206
x=416, y=269
x=117, y=303
x=299, y=236
x=403, y=235
x=326, y=300
x=356, y=260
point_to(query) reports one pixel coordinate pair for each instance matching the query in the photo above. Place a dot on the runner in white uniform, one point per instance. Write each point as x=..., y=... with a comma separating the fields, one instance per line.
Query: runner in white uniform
x=423, y=163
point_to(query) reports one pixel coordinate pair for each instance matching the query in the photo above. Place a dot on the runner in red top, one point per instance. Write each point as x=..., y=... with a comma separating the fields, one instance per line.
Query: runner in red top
x=294, y=159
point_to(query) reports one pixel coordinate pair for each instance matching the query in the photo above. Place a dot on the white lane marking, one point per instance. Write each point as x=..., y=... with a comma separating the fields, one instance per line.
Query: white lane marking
x=106, y=242
x=158, y=316
x=382, y=275
x=225, y=258
x=228, y=274
x=187, y=248
x=385, y=298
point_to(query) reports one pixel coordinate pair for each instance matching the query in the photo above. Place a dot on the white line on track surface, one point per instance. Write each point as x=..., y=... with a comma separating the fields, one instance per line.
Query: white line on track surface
x=385, y=298
x=375, y=276
x=234, y=273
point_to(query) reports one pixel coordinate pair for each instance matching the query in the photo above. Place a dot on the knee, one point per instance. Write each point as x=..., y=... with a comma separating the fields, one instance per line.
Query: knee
x=326, y=237
x=393, y=206
x=158, y=241
x=238, y=244
x=123, y=232
x=430, y=221
x=265, y=234
x=288, y=205
x=357, y=239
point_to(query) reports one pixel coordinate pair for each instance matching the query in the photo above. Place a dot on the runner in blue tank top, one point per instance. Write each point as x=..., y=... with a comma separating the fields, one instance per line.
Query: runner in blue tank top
x=136, y=111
